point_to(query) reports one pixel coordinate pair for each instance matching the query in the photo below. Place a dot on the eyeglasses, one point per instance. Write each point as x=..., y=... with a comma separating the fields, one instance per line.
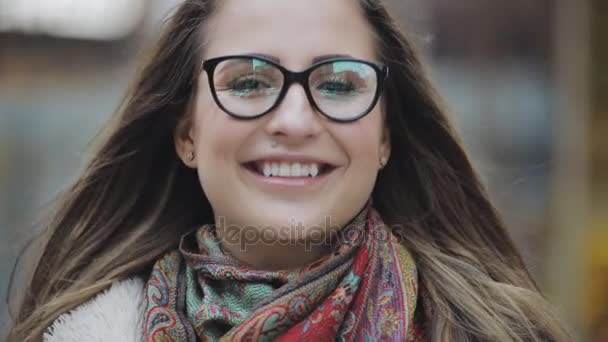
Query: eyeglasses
x=341, y=89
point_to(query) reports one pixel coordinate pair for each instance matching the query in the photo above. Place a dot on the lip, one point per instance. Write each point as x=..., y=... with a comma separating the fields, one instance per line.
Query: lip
x=290, y=158
x=277, y=183
x=288, y=182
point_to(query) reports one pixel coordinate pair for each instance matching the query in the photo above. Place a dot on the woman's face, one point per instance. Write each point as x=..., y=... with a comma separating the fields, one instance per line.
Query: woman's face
x=295, y=33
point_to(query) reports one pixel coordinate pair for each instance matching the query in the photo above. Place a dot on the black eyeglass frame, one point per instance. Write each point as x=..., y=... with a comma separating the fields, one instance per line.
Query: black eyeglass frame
x=291, y=77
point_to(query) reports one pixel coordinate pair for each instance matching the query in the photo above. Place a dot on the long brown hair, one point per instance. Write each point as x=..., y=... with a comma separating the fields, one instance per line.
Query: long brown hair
x=136, y=192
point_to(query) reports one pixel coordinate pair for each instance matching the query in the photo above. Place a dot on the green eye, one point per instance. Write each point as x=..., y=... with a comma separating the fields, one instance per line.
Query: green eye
x=246, y=87
x=336, y=88
x=243, y=85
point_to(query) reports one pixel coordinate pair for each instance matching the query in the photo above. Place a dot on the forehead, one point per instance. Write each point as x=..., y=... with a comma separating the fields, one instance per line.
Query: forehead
x=294, y=31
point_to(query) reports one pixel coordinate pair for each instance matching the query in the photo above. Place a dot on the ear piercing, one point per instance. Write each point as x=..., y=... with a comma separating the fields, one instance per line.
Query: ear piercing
x=383, y=162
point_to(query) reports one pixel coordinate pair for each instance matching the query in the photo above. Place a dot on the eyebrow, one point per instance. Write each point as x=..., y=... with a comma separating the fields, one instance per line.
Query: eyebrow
x=316, y=59
x=326, y=57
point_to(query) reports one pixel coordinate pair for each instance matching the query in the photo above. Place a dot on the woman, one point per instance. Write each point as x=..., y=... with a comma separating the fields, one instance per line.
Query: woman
x=300, y=183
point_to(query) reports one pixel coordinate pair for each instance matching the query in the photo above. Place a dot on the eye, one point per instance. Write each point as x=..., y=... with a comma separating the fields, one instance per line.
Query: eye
x=336, y=87
x=248, y=86
x=245, y=84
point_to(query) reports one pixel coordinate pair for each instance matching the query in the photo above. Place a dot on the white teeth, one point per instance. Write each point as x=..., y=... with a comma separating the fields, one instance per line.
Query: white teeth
x=295, y=170
x=275, y=169
x=285, y=169
x=267, y=170
x=314, y=170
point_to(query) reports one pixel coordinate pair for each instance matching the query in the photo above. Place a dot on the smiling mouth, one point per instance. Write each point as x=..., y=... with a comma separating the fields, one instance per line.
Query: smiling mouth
x=288, y=169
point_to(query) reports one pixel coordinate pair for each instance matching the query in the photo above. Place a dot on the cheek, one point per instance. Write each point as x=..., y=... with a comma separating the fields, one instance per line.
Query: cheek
x=216, y=135
x=217, y=139
x=361, y=141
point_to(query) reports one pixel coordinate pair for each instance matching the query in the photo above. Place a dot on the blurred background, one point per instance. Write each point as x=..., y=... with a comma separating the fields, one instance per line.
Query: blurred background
x=526, y=82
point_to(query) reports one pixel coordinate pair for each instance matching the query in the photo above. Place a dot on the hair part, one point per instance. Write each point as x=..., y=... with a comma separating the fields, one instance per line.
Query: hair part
x=136, y=191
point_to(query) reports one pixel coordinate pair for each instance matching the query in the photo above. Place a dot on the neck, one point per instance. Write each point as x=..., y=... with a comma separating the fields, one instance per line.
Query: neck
x=276, y=257
x=282, y=254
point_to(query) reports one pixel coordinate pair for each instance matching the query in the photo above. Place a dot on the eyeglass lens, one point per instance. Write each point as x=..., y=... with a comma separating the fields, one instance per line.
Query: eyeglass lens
x=249, y=86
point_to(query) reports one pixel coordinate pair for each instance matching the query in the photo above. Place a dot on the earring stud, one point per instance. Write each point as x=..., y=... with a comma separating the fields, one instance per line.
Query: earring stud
x=383, y=162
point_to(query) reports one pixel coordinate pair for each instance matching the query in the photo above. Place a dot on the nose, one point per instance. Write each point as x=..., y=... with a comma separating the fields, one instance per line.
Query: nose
x=294, y=120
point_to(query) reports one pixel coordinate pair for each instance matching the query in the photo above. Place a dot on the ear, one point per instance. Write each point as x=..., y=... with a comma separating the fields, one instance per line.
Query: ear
x=385, y=147
x=183, y=138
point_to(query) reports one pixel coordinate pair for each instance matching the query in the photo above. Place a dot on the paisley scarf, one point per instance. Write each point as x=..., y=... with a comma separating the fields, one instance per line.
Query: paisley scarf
x=365, y=291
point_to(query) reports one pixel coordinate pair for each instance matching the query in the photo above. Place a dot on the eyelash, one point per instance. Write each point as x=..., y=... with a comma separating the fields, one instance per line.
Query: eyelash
x=237, y=90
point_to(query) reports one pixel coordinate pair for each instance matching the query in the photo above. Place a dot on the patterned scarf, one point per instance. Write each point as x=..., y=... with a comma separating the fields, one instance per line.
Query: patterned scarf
x=365, y=290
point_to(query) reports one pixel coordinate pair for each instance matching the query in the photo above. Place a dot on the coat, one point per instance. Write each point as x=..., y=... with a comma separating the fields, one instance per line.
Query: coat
x=113, y=315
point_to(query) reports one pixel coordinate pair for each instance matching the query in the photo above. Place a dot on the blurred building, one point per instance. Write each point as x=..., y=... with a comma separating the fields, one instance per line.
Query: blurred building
x=518, y=75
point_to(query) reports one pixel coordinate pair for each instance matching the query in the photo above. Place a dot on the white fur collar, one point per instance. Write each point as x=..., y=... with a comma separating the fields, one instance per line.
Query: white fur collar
x=113, y=315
